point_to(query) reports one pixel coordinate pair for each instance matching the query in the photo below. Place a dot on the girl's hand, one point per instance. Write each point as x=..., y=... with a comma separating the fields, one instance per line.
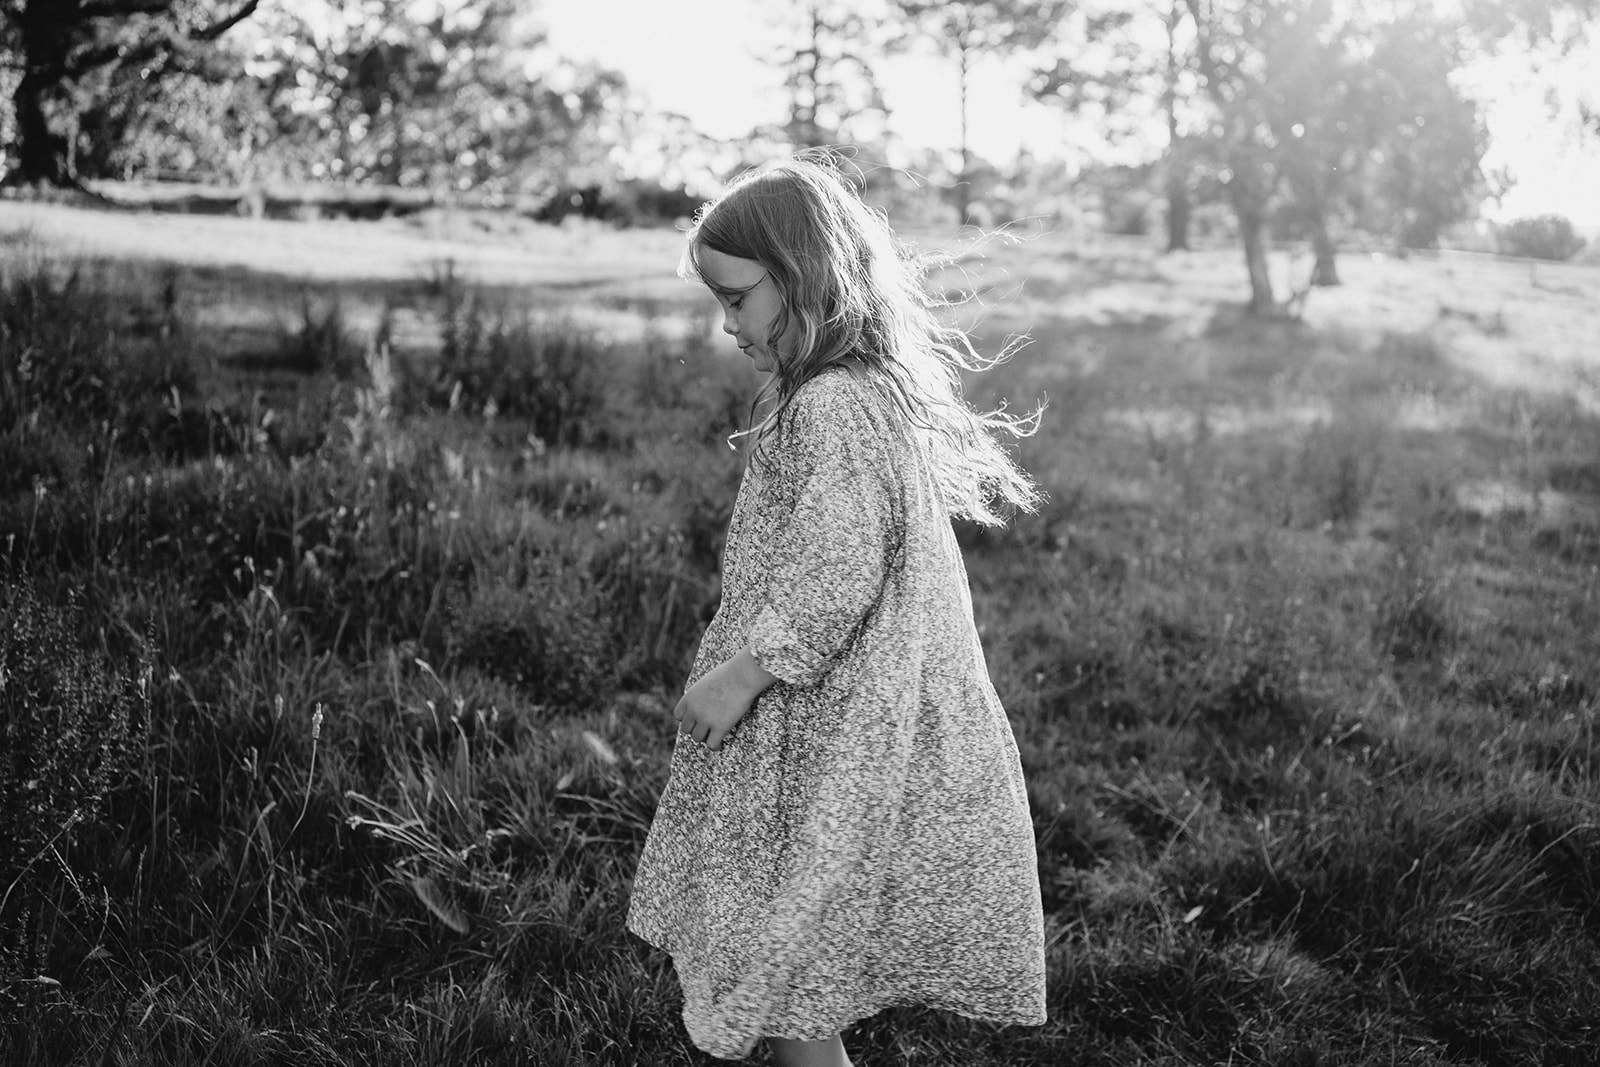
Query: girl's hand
x=713, y=706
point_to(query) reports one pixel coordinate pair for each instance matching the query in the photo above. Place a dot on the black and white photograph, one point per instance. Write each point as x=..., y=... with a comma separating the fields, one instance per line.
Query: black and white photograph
x=803, y=533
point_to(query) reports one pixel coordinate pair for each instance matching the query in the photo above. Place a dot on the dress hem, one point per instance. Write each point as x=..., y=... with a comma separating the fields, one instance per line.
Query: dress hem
x=854, y=1015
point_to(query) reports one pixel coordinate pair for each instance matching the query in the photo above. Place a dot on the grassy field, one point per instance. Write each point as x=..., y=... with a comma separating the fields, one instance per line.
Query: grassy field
x=351, y=571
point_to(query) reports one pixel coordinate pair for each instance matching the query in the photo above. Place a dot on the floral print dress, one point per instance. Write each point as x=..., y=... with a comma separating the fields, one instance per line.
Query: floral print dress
x=863, y=838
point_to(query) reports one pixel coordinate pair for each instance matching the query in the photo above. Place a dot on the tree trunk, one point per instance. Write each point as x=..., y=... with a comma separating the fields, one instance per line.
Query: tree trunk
x=1250, y=185
x=1252, y=230
x=964, y=179
x=1179, y=211
x=1178, y=205
x=1325, y=271
x=43, y=154
x=812, y=125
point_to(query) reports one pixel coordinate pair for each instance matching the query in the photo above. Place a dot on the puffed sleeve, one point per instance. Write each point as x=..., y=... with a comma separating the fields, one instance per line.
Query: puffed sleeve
x=830, y=556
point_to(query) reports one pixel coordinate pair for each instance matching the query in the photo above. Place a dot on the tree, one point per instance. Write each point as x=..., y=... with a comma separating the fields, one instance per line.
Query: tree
x=454, y=94
x=1423, y=168
x=1561, y=23
x=1338, y=105
x=1179, y=199
x=210, y=121
x=1226, y=34
x=828, y=73
x=1314, y=94
x=970, y=31
x=1129, y=65
x=57, y=44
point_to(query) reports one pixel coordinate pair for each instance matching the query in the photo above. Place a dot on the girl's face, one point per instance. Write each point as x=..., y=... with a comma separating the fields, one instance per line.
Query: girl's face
x=750, y=304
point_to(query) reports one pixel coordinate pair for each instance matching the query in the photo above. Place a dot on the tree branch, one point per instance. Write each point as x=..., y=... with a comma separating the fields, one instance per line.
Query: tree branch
x=211, y=33
x=157, y=48
x=111, y=9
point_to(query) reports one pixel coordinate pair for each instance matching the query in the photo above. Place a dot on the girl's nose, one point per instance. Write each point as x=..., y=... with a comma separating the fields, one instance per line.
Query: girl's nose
x=730, y=324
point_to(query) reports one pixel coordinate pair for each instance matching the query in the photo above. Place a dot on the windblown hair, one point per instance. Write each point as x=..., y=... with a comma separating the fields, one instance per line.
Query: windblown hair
x=857, y=295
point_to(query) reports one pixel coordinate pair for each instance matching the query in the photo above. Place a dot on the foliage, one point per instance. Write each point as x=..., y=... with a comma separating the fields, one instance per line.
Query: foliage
x=633, y=202
x=827, y=60
x=1302, y=113
x=970, y=31
x=439, y=98
x=71, y=721
x=71, y=57
x=541, y=634
x=209, y=120
x=1427, y=139
x=322, y=341
x=1107, y=69
x=71, y=353
x=1550, y=237
x=1099, y=68
x=548, y=370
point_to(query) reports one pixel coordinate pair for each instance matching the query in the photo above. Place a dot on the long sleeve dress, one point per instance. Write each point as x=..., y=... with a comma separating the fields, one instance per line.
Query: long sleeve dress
x=863, y=838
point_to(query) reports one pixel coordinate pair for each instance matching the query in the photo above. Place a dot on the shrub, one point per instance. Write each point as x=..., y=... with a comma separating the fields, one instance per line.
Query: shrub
x=1413, y=620
x=543, y=638
x=70, y=348
x=323, y=342
x=37, y=452
x=550, y=371
x=656, y=601
x=68, y=721
x=1540, y=237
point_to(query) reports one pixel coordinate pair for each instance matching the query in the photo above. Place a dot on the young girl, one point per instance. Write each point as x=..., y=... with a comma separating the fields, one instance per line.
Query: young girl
x=845, y=827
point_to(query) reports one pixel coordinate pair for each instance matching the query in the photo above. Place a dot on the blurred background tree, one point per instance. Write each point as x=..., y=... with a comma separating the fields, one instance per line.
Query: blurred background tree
x=70, y=53
x=447, y=95
x=1126, y=66
x=969, y=32
x=827, y=56
x=1307, y=115
x=1426, y=140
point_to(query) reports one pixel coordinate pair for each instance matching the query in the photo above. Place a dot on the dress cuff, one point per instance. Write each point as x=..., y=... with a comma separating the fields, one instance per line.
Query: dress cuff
x=779, y=650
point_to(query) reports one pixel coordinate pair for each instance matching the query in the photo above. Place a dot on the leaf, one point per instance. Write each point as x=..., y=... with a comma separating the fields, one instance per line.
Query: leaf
x=435, y=902
x=600, y=748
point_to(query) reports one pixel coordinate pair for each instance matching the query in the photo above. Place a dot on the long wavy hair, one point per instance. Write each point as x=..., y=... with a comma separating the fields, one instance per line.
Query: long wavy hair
x=857, y=295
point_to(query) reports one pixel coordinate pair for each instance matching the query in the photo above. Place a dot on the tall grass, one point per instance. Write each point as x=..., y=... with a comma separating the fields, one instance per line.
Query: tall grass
x=345, y=746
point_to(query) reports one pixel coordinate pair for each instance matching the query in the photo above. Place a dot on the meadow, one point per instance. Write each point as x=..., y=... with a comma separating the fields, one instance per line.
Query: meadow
x=351, y=571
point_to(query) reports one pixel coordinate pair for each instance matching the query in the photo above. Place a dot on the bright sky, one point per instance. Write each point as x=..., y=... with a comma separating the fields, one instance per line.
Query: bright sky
x=1534, y=131
x=700, y=58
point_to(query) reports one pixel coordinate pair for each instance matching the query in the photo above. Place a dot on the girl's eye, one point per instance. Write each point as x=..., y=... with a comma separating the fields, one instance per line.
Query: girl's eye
x=736, y=304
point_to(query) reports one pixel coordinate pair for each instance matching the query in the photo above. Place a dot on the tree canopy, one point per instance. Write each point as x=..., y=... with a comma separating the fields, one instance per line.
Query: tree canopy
x=970, y=31
x=68, y=50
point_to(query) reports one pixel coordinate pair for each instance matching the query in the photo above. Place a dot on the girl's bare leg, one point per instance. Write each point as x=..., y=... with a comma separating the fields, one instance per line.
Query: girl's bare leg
x=791, y=1052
